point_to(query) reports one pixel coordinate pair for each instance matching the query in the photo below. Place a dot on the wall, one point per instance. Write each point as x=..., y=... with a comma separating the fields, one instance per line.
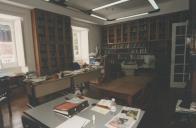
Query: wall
x=27, y=31
x=95, y=36
x=94, y=31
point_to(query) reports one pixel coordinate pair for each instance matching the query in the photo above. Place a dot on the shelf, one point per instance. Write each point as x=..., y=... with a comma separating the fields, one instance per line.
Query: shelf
x=52, y=38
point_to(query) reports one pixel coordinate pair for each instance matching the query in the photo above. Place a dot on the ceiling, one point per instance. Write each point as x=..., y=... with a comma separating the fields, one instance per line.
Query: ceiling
x=112, y=12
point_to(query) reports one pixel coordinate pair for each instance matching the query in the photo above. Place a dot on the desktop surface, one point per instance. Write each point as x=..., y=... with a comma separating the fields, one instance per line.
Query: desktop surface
x=45, y=115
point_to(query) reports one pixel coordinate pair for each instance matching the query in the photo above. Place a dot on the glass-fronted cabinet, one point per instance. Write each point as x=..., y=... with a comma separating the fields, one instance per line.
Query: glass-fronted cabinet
x=179, y=56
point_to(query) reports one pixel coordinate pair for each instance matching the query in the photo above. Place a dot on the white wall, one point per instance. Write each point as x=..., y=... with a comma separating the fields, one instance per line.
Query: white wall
x=27, y=31
x=94, y=36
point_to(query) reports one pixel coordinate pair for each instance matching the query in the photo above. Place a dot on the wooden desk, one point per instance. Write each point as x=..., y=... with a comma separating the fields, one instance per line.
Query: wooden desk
x=44, y=88
x=1, y=118
x=86, y=76
x=126, y=87
x=47, y=87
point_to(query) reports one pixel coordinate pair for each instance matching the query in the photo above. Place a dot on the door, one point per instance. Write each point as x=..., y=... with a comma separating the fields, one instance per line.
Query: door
x=179, y=65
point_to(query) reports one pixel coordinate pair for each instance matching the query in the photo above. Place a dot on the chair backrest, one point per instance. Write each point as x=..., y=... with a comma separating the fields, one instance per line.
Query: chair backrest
x=4, y=86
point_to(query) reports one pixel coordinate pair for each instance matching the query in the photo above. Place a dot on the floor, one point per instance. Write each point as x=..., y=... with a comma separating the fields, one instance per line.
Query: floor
x=18, y=103
x=159, y=115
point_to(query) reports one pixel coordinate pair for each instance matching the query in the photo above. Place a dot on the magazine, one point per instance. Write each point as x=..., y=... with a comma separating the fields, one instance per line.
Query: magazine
x=126, y=118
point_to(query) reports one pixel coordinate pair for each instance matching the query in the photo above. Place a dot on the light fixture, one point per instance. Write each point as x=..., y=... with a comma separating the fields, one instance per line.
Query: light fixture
x=109, y=5
x=153, y=3
x=141, y=14
x=99, y=17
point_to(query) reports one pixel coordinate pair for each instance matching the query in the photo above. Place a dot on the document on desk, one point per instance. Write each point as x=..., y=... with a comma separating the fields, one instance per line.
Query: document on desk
x=101, y=110
x=74, y=122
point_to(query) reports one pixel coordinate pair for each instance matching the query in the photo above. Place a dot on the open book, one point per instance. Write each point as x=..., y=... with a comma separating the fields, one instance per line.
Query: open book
x=126, y=118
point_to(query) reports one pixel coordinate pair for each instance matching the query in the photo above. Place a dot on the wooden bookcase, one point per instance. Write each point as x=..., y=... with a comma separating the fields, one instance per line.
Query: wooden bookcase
x=133, y=39
x=52, y=42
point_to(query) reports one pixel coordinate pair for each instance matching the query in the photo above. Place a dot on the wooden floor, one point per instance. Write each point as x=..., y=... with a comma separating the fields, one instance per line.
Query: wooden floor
x=18, y=103
x=159, y=115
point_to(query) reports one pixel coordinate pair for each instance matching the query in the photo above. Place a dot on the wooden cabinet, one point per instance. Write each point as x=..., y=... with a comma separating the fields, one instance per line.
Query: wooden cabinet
x=52, y=42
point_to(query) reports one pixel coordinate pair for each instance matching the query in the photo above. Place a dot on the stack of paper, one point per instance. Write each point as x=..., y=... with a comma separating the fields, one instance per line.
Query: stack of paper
x=74, y=122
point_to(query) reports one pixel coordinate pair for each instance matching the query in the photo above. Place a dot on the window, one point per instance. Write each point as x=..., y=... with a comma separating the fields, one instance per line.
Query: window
x=8, y=56
x=11, y=42
x=80, y=45
x=76, y=45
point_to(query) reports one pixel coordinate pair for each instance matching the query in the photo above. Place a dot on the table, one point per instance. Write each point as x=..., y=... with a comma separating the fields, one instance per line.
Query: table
x=36, y=90
x=126, y=87
x=1, y=119
x=87, y=76
x=183, y=116
x=43, y=88
x=44, y=117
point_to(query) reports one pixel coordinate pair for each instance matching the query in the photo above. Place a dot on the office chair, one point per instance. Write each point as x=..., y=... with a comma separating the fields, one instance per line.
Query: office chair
x=4, y=93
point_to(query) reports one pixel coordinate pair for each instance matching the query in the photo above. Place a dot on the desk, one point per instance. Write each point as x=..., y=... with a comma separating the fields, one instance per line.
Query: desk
x=44, y=88
x=183, y=117
x=1, y=117
x=16, y=79
x=37, y=90
x=126, y=87
x=44, y=117
x=87, y=76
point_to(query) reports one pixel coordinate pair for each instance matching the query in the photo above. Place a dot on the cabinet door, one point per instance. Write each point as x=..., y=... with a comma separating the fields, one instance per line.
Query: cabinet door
x=179, y=65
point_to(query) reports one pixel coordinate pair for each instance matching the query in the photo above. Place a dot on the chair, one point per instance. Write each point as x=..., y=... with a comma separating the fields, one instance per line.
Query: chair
x=4, y=93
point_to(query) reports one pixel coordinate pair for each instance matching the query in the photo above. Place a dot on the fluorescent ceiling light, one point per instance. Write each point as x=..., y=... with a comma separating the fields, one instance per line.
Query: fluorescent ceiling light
x=141, y=14
x=108, y=5
x=153, y=3
x=98, y=17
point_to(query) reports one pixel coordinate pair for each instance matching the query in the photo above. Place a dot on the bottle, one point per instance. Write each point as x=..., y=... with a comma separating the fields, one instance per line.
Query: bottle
x=113, y=106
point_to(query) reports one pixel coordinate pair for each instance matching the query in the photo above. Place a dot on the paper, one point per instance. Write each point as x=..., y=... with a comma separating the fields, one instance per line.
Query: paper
x=103, y=102
x=74, y=122
x=100, y=110
x=126, y=118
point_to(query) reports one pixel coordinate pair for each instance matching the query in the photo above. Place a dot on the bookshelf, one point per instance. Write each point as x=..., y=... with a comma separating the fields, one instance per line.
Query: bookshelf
x=134, y=39
x=52, y=42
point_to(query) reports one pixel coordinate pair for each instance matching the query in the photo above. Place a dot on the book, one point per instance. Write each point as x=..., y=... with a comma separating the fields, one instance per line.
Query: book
x=71, y=107
x=66, y=108
x=126, y=118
